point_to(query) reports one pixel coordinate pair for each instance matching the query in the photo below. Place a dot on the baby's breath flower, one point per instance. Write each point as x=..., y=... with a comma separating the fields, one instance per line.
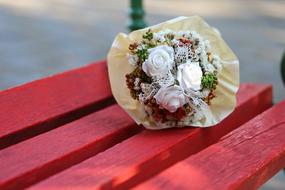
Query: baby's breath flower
x=132, y=59
x=159, y=37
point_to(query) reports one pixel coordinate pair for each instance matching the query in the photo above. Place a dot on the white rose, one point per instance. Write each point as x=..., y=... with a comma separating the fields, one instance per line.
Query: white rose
x=159, y=61
x=189, y=75
x=170, y=98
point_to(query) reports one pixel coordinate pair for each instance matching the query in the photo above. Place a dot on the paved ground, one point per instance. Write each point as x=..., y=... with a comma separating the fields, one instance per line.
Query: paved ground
x=40, y=38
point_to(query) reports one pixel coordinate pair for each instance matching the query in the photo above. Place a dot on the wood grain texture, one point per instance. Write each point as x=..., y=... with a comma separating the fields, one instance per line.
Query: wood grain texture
x=244, y=159
x=39, y=157
x=41, y=105
x=145, y=154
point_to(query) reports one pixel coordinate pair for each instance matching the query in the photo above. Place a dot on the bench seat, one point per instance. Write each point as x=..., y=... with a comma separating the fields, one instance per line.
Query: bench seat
x=243, y=159
x=67, y=132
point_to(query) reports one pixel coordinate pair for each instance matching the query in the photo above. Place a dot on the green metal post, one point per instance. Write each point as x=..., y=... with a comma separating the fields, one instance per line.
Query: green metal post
x=283, y=68
x=136, y=13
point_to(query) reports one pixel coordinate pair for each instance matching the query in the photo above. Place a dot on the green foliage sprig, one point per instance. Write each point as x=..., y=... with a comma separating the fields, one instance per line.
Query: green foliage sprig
x=148, y=35
x=209, y=81
x=142, y=54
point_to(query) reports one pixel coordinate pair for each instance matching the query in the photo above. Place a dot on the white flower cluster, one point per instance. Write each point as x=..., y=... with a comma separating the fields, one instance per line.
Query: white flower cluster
x=176, y=66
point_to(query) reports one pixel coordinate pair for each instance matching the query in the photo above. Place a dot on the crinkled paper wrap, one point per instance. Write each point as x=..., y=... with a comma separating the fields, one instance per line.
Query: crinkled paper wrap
x=221, y=106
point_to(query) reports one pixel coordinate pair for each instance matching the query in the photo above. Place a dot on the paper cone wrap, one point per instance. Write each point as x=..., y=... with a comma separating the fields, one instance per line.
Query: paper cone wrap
x=228, y=79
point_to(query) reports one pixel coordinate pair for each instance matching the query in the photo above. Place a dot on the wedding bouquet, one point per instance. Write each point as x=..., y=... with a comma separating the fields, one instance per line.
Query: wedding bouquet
x=175, y=74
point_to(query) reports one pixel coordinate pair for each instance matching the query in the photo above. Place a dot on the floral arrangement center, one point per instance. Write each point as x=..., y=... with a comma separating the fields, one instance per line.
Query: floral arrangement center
x=174, y=76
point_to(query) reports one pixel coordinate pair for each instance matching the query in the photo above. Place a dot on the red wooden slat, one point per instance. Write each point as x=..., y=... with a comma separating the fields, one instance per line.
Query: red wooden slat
x=39, y=157
x=244, y=159
x=45, y=104
x=150, y=152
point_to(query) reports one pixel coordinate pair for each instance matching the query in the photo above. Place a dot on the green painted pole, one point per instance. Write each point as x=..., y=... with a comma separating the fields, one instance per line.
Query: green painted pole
x=283, y=68
x=136, y=14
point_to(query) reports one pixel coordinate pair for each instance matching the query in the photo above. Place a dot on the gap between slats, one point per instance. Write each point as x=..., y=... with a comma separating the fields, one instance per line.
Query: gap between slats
x=53, y=123
x=45, y=104
x=37, y=158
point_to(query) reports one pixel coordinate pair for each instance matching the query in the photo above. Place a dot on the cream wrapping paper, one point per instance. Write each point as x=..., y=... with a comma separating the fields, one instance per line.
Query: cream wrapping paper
x=221, y=106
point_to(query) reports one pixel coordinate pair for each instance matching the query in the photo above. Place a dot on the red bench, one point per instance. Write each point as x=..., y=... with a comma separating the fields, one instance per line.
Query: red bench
x=66, y=132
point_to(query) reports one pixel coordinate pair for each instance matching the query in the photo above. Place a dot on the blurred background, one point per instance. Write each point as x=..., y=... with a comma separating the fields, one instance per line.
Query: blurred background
x=43, y=37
